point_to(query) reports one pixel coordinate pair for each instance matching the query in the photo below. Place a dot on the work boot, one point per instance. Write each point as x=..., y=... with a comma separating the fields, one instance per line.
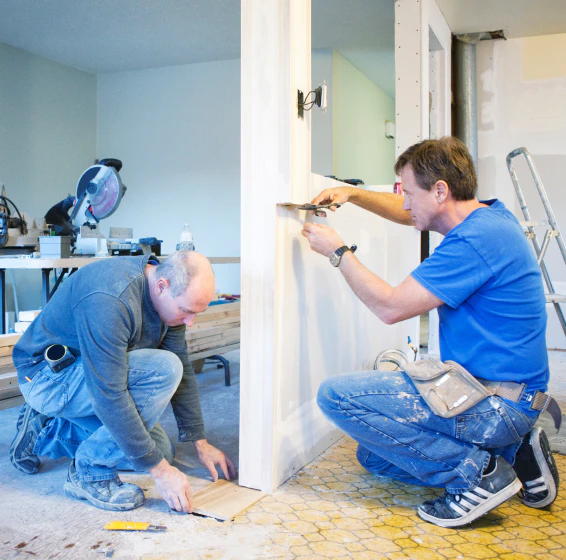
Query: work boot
x=536, y=469
x=110, y=494
x=29, y=426
x=455, y=510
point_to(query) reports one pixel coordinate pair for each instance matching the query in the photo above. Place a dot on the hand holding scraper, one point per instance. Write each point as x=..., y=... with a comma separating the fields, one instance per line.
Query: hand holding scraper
x=317, y=209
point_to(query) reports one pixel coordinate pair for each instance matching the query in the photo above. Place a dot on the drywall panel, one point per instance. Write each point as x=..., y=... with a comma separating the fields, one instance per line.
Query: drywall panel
x=322, y=328
x=423, y=88
x=300, y=321
x=520, y=107
x=266, y=170
x=177, y=131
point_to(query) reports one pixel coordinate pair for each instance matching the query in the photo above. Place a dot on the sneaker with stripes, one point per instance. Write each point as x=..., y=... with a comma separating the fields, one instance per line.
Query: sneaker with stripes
x=536, y=469
x=455, y=510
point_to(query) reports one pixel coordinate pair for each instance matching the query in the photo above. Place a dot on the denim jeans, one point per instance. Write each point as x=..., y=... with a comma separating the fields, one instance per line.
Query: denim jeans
x=401, y=438
x=76, y=431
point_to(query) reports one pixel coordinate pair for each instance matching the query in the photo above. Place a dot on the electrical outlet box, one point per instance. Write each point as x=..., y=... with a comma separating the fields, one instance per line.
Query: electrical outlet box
x=323, y=97
x=300, y=104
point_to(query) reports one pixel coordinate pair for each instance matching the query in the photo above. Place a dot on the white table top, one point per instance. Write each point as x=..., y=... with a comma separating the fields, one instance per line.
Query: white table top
x=77, y=262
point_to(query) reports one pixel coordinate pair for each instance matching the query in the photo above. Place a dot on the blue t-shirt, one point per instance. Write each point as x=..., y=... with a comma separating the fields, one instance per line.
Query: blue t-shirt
x=493, y=318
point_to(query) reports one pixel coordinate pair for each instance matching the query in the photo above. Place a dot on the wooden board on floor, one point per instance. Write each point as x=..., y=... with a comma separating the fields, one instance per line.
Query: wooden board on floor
x=225, y=500
x=9, y=339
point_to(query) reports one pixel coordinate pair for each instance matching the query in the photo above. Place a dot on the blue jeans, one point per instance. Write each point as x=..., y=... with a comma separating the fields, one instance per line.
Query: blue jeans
x=76, y=431
x=401, y=438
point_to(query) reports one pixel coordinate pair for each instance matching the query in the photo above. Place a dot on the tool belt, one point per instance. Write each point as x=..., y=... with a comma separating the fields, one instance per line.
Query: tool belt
x=449, y=389
x=516, y=392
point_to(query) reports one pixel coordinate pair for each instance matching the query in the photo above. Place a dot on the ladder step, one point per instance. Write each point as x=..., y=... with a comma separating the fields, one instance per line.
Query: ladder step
x=533, y=223
x=555, y=298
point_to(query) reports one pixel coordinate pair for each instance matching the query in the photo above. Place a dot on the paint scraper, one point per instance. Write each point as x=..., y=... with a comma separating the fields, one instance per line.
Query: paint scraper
x=132, y=526
x=316, y=208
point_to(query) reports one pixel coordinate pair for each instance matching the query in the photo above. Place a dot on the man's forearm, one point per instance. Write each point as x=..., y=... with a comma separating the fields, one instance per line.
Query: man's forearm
x=373, y=292
x=390, y=304
x=386, y=205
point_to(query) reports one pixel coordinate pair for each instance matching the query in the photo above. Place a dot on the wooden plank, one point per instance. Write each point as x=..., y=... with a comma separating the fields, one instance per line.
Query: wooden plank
x=221, y=307
x=213, y=345
x=203, y=344
x=213, y=352
x=10, y=368
x=214, y=316
x=6, y=350
x=8, y=380
x=225, y=500
x=6, y=360
x=9, y=339
x=222, y=332
x=216, y=322
x=207, y=331
x=11, y=402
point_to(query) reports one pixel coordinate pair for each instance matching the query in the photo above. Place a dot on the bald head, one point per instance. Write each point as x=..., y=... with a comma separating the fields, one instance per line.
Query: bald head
x=184, y=268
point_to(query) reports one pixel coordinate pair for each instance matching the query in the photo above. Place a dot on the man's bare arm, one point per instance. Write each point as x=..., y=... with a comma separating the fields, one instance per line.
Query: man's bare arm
x=386, y=205
x=390, y=304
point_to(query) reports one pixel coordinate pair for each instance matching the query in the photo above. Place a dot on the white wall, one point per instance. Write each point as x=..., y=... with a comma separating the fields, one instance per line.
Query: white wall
x=321, y=121
x=47, y=139
x=522, y=102
x=360, y=148
x=348, y=139
x=177, y=131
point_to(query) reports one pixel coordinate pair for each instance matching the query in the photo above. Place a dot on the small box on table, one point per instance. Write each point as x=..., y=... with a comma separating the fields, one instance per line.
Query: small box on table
x=54, y=247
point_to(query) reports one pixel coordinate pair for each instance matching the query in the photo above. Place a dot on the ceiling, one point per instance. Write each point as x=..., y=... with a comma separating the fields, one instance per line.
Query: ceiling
x=517, y=18
x=138, y=34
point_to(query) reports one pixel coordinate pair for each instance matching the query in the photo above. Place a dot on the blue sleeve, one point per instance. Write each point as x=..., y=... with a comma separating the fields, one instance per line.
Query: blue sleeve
x=453, y=272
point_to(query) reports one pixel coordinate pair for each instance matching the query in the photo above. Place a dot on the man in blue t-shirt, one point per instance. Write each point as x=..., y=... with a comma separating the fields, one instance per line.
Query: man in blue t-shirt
x=485, y=282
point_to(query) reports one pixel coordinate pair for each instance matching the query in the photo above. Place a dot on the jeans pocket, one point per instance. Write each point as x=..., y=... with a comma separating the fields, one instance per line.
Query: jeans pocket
x=48, y=392
x=492, y=423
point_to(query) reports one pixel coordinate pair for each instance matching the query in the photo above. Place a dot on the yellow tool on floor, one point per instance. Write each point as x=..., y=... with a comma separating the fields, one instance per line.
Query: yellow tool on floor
x=132, y=526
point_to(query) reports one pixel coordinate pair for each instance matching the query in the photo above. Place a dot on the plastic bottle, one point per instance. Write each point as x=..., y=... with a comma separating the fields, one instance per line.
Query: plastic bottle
x=186, y=240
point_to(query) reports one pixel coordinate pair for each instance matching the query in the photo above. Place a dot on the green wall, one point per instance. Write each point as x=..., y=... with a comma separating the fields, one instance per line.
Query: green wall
x=360, y=149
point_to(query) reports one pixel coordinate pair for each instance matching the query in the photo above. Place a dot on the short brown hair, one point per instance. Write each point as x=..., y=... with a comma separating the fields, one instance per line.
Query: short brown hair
x=446, y=159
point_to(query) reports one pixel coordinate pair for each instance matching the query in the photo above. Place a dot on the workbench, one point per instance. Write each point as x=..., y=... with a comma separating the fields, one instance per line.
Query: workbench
x=66, y=266
x=216, y=330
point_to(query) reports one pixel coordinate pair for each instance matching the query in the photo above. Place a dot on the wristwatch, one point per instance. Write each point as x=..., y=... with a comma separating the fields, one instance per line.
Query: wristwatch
x=336, y=257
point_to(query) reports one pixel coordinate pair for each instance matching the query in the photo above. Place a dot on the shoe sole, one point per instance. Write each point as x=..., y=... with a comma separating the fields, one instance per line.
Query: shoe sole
x=542, y=461
x=19, y=437
x=496, y=500
x=81, y=494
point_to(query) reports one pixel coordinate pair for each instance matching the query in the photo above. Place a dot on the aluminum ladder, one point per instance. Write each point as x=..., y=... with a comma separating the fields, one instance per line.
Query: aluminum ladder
x=551, y=231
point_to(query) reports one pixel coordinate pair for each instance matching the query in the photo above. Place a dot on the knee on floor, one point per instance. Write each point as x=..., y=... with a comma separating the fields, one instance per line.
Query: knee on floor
x=371, y=462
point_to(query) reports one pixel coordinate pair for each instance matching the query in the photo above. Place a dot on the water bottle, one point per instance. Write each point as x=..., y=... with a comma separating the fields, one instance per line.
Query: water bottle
x=186, y=240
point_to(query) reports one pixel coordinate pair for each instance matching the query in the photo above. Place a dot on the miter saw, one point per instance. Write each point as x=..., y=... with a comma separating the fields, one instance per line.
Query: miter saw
x=99, y=193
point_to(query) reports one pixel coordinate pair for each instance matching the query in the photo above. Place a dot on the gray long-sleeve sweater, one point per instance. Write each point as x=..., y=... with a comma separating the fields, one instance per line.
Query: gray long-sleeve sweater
x=101, y=312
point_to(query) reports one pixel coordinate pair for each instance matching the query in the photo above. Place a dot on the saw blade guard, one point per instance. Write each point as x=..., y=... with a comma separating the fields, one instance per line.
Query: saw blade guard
x=99, y=193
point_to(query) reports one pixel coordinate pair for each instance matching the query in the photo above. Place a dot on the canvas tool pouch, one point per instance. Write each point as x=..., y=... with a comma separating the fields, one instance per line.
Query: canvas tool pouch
x=447, y=387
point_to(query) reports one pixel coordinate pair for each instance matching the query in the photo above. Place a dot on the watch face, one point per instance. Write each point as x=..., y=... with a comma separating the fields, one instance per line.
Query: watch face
x=334, y=259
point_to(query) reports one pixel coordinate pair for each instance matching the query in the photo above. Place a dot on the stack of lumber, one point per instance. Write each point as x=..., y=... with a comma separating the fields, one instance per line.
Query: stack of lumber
x=215, y=331
x=9, y=390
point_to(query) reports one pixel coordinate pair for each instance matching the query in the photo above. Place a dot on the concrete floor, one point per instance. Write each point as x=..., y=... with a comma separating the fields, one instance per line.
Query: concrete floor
x=332, y=508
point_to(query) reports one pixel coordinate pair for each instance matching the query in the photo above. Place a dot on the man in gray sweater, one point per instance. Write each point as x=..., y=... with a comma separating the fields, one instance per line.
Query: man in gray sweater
x=97, y=368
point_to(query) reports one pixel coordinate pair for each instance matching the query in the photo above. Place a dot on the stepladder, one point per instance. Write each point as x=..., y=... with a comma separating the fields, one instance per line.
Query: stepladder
x=549, y=224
